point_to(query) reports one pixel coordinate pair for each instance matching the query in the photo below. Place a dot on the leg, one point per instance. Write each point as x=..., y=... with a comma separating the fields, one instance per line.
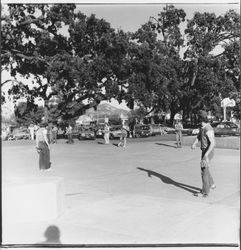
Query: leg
x=177, y=142
x=105, y=138
x=205, y=181
x=124, y=144
x=180, y=137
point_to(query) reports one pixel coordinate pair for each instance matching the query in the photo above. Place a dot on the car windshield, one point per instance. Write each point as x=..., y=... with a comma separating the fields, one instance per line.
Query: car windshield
x=115, y=128
x=145, y=127
x=232, y=125
x=19, y=130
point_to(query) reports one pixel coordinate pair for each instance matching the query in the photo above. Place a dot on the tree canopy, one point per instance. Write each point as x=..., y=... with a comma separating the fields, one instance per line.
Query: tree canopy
x=76, y=61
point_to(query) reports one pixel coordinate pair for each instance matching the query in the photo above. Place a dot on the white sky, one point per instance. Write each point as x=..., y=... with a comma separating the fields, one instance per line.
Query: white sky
x=130, y=17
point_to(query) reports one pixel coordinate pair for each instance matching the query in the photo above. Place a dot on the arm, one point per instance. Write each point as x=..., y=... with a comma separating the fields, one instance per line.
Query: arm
x=37, y=142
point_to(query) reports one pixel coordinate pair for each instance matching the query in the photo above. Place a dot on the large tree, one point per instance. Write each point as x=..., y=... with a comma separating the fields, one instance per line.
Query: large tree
x=69, y=57
x=157, y=69
x=216, y=75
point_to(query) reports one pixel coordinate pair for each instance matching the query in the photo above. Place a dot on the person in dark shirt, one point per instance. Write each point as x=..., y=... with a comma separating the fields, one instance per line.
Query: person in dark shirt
x=207, y=140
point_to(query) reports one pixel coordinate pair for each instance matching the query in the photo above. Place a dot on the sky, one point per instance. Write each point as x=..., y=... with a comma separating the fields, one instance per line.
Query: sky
x=130, y=17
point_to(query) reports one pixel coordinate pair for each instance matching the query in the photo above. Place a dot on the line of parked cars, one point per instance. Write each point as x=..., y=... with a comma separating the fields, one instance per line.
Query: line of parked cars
x=91, y=132
x=17, y=133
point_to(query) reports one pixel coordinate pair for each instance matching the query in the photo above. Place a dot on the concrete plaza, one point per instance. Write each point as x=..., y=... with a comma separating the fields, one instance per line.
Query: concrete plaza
x=141, y=194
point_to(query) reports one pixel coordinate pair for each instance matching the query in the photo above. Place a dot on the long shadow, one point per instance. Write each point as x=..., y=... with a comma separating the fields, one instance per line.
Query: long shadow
x=168, y=180
x=163, y=144
x=101, y=143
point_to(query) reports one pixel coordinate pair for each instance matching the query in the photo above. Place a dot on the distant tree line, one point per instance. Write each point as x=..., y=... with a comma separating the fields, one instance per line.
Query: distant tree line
x=79, y=61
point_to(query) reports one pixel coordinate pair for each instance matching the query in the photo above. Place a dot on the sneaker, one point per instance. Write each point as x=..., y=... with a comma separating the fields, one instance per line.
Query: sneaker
x=49, y=170
x=201, y=195
x=213, y=187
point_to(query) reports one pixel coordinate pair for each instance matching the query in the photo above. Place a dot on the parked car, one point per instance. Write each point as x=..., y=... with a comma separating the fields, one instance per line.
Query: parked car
x=115, y=131
x=76, y=132
x=225, y=128
x=142, y=130
x=61, y=134
x=100, y=130
x=19, y=134
x=86, y=133
x=170, y=130
x=195, y=131
x=190, y=128
x=157, y=129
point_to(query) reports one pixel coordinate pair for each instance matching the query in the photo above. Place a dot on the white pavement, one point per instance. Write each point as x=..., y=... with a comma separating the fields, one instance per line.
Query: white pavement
x=142, y=194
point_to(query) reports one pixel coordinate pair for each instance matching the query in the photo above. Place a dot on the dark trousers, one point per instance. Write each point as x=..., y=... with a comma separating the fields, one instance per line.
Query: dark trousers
x=44, y=156
x=207, y=179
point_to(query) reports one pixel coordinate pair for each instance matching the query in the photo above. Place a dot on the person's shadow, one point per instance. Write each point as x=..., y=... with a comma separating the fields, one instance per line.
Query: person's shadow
x=52, y=235
x=167, y=145
x=168, y=180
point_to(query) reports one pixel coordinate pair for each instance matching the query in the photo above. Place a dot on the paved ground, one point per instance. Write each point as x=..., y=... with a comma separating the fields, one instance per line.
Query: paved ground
x=142, y=194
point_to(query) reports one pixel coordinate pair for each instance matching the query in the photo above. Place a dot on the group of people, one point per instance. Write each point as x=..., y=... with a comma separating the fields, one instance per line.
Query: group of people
x=205, y=137
x=123, y=136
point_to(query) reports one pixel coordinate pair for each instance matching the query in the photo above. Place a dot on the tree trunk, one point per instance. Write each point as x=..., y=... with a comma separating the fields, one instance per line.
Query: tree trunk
x=173, y=112
x=46, y=111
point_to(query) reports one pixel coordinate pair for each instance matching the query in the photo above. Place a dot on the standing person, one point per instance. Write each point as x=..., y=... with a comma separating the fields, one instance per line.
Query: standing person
x=31, y=130
x=107, y=133
x=69, y=132
x=178, y=128
x=207, y=139
x=42, y=145
x=124, y=133
x=54, y=134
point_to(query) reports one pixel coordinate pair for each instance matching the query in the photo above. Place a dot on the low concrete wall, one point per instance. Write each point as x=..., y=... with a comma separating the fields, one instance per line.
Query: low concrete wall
x=232, y=142
x=36, y=199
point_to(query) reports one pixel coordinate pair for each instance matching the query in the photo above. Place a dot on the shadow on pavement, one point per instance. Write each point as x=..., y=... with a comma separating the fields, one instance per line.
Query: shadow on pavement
x=167, y=145
x=52, y=235
x=168, y=180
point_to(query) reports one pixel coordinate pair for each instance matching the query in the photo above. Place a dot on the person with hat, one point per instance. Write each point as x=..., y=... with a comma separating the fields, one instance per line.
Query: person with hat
x=42, y=146
x=207, y=140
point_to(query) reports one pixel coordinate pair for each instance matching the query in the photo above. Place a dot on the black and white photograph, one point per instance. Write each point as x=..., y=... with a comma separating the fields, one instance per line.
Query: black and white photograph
x=120, y=124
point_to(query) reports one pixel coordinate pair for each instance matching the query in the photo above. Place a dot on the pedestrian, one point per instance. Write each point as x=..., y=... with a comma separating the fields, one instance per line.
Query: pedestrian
x=54, y=133
x=69, y=132
x=178, y=128
x=207, y=140
x=124, y=133
x=42, y=145
x=31, y=130
x=107, y=133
